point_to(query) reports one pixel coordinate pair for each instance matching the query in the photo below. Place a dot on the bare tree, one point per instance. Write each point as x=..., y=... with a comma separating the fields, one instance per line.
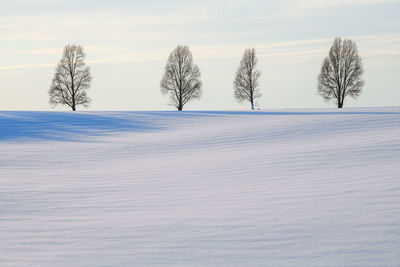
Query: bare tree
x=341, y=72
x=181, y=80
x=246, y=83
x=71, y=80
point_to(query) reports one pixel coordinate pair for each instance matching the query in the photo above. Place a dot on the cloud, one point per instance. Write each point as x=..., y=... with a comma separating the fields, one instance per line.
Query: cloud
x=300, y=8
x=299, y=50
x=318, y=4
x=26, y=66
x=58, y=50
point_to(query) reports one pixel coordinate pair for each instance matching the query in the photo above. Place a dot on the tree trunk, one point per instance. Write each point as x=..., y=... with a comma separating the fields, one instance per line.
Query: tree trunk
x=252, y=105
x=340, y=105
x=180, y=108
x=73, y=98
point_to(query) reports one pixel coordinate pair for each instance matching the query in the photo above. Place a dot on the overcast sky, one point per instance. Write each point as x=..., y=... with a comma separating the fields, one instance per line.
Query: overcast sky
x=128, y=42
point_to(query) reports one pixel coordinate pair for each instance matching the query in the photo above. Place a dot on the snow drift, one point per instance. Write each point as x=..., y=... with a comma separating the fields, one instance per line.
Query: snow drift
x=274, y=188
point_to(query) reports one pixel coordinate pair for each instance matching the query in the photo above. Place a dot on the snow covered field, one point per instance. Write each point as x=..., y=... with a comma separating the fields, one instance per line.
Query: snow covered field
x=263, y=188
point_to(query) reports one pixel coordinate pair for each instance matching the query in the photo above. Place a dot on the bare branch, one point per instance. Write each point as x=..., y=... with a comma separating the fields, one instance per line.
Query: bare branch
x=71, y=79
x=181, y=80
x=341, y=72
x=246, y=84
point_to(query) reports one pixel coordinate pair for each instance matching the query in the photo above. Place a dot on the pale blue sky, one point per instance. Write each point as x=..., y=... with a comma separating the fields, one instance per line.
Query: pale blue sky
x=128, y=42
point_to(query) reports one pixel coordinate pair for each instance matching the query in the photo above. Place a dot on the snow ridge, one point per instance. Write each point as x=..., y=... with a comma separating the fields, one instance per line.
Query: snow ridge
x=200, y=188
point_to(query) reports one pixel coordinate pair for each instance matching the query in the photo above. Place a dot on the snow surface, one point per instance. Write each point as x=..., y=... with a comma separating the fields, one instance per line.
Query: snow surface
x=263, y=188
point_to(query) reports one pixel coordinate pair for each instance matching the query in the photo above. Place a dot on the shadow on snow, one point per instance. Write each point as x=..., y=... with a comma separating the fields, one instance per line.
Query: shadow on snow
x=63, y=126
x=72, y=126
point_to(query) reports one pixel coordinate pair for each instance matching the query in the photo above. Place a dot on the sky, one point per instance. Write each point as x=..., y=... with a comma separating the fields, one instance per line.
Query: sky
x=127, y=44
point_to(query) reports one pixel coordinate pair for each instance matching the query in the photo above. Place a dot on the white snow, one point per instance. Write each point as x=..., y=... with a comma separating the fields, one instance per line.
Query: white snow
x=263, y=188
